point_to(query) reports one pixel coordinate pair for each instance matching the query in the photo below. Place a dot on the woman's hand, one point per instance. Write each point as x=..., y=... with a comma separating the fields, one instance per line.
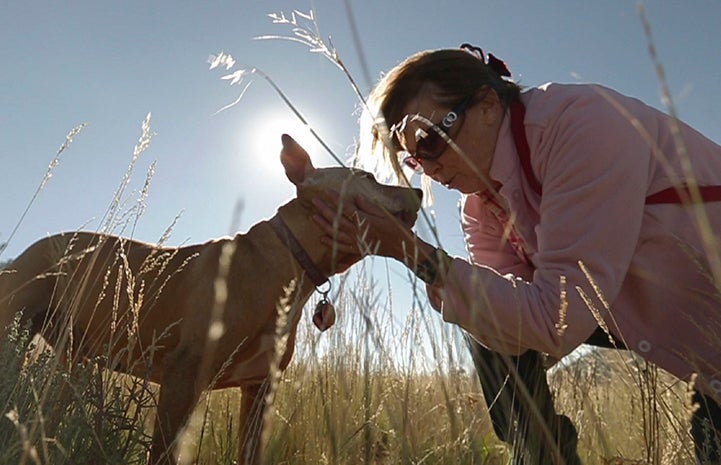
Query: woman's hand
x=358, y=227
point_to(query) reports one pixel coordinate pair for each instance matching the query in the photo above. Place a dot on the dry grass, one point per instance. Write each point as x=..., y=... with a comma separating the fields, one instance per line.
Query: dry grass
x=626, y=410
x=341, y=407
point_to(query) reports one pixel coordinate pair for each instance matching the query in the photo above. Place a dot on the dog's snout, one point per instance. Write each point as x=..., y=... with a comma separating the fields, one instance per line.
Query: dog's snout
x=413, y=198
x=419, y=194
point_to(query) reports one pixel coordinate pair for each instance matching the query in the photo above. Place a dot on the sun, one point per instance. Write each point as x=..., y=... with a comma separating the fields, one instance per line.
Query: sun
x=266, y=134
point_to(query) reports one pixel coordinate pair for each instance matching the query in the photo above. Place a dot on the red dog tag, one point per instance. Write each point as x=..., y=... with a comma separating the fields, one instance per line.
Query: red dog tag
x=324, y=315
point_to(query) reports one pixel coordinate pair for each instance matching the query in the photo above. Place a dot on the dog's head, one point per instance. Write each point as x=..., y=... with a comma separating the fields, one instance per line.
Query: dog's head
x=311, y=182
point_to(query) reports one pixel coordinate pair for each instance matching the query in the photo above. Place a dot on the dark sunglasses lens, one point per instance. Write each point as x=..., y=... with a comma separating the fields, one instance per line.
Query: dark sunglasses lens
x=431, y=146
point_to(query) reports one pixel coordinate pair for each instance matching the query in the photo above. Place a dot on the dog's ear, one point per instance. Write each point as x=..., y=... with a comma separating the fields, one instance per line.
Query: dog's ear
x=295, y=160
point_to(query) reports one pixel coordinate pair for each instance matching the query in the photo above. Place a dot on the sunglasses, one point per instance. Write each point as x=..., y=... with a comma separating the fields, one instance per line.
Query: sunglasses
x=431, y=143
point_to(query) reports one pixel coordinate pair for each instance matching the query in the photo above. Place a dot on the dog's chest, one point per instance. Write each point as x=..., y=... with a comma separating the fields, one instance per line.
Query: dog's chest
x=254, y=365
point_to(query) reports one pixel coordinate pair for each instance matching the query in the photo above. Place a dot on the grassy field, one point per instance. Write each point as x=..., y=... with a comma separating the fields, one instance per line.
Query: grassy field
x=347, y=398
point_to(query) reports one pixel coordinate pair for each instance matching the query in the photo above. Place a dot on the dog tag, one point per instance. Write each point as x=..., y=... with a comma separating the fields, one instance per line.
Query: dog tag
x=324, y=315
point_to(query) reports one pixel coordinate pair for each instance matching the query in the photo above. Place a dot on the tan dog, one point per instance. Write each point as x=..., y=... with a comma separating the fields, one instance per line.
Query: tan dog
x=189, y=317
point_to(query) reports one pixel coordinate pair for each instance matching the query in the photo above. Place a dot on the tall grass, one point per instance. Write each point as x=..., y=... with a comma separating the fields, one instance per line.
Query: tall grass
x=344, y=400
x=74, y=412
x=43, y=182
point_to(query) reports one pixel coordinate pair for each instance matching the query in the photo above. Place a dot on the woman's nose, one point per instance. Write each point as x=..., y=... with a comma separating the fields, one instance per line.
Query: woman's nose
x=430, y=166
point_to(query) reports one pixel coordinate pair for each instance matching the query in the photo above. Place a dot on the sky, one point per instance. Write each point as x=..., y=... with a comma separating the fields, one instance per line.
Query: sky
x=108, y=64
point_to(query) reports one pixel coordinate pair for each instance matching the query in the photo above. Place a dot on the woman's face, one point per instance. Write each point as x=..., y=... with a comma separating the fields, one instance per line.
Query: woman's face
x=475, y=133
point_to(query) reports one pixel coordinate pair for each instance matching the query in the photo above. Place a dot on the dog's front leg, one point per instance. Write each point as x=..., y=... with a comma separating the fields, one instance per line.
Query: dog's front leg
x=252, y=409
x=179, y=392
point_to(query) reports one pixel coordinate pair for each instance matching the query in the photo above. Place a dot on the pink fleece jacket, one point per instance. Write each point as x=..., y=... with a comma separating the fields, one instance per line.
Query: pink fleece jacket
x=598, y=254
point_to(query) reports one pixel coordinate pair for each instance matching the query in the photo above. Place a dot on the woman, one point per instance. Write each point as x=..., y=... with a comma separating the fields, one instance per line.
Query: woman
x=580, y=229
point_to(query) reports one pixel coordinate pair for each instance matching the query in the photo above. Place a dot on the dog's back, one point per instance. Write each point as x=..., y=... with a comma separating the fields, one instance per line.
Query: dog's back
x=91, y=294
x=88, y=290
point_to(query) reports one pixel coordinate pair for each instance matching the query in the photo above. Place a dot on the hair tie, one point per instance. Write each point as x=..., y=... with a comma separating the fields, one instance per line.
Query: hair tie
x=498, y=66
x=494, y=63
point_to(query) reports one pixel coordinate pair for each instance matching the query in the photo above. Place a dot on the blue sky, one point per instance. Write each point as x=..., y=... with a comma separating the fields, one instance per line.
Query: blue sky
x=108, y=64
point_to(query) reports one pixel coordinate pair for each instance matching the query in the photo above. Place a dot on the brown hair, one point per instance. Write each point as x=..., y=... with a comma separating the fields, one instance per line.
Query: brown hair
x=450, y=75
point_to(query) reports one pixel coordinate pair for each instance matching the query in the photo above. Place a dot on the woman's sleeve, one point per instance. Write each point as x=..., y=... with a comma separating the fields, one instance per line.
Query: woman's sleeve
x=594, y=180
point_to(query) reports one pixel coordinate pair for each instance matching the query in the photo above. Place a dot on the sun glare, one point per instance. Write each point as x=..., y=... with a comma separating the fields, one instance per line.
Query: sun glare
x=266, y=135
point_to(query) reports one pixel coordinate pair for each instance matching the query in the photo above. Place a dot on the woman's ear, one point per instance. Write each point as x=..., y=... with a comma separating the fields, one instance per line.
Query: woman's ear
x=488, y=96
x=490, y=103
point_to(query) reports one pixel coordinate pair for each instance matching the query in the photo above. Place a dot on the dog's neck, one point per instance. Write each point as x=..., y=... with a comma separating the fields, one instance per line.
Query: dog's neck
x=297, y=214
x=287, y=237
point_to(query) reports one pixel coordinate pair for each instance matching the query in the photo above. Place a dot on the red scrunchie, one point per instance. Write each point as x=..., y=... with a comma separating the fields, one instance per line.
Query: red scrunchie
x=499, y=66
